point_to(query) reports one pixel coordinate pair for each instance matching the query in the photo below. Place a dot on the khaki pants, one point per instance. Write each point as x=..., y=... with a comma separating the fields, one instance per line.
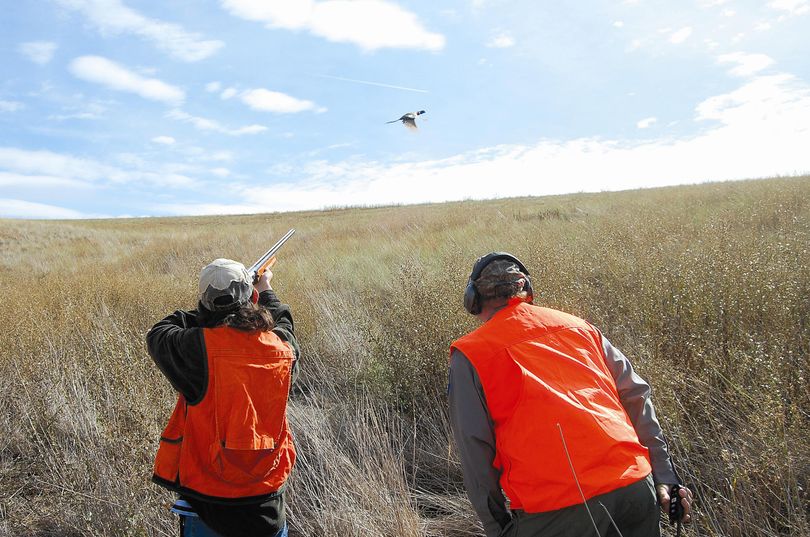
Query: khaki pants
x=634, y=508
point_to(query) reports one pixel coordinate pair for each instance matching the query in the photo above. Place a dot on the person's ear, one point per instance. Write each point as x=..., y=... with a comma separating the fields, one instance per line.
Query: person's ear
x=254, y=296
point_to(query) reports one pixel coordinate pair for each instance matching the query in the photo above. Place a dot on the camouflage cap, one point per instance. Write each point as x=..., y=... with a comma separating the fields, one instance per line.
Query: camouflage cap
x=500, y=278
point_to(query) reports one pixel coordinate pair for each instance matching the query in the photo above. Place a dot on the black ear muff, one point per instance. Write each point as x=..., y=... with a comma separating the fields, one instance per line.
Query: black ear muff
x=472, y=300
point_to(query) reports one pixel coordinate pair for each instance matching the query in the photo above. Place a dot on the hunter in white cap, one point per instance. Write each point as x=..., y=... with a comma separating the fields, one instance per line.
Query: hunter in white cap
x=227, y=450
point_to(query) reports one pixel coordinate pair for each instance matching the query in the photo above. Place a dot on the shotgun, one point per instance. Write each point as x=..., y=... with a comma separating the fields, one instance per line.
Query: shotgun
x=269, y=258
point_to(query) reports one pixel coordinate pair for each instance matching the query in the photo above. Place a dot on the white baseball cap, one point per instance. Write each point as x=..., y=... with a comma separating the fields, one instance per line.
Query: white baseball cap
x=224, y=285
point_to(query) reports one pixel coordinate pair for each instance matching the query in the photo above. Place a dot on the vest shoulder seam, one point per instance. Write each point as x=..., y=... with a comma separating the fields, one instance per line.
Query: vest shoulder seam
x=540, y=337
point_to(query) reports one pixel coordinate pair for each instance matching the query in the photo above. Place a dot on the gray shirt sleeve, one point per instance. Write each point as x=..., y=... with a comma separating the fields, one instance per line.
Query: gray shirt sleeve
x=474, y=434
x=634, y=393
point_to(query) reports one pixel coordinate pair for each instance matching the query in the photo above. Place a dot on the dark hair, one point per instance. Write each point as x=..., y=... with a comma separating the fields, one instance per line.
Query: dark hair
x=247, y=317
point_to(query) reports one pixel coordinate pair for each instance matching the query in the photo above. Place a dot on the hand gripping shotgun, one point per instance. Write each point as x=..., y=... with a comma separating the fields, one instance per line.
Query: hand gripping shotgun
x=269, y=258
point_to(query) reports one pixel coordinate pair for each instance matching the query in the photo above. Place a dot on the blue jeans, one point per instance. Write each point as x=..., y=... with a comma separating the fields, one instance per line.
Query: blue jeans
x=193, y=526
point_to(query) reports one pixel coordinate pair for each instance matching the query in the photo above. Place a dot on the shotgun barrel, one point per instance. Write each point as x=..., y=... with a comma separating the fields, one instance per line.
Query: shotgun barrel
x=269, y=258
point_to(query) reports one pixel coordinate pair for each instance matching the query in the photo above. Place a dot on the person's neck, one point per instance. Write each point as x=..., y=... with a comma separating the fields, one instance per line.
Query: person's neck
x=491, y=308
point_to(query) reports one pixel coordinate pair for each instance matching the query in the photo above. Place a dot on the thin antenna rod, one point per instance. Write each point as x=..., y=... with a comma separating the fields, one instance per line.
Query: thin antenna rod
x=611, y=520
x=576, y=480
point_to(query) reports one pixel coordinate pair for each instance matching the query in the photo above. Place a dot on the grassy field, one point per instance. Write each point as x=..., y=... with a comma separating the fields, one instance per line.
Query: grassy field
x=706, y=288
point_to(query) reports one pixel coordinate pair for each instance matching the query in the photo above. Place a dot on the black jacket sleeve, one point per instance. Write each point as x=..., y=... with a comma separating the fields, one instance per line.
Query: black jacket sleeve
x=176, y=345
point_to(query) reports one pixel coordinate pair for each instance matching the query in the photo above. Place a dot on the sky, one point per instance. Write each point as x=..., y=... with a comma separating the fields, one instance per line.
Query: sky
x=125, y=108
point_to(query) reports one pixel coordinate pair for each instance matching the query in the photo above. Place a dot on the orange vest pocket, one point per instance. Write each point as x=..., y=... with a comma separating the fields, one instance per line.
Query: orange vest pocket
x=243, y=466
x=167, y=462
x=254, y=442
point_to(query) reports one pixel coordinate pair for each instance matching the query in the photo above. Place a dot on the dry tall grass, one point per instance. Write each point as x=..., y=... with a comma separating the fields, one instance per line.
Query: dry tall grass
x=706, y=288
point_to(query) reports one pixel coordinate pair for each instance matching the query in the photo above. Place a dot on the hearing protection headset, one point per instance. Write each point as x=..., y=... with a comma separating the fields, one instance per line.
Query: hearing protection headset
x=472, y=300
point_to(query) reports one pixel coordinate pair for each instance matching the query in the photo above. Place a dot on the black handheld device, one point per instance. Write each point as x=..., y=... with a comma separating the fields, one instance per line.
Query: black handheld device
x=675, y=505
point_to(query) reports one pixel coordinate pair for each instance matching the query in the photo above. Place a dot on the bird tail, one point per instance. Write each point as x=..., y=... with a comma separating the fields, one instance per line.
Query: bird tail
x=387, y=122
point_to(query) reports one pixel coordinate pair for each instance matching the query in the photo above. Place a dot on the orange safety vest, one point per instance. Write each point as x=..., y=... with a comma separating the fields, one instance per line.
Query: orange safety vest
x=235, y=443
x=539, y=368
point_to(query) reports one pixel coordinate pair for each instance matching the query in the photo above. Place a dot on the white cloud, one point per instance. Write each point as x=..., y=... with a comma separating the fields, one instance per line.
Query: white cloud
x=227, y=93
x=248, y=129
x=618, y=24
x=793, y=7
x=761, y=129
x=747, y=64
x=76, y=115
x=29, y=168
x=113, y=17
x=9, y=179
x=85, y=111
x=501, y=41
x=775, y=103
x=219, y=156
x=14, y=208
x=221, y=172
x=681, y=35
x=47, y=163
x=213, y=87
x=11, y=106
x=369, y=24
x=646, y=122
x=205, y=124
x=40, y=52
x=163, y=140
x=274, y=101
x=114, y=76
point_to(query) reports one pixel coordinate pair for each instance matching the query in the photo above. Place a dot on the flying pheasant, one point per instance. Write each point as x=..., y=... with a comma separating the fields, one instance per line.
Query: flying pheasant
x=409, y=119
